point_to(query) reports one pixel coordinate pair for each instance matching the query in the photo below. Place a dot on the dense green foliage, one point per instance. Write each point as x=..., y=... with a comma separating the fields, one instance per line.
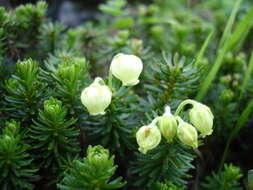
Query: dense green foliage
x=167, y=162
x=166, y=186
x=190, y=50
x=17, y=170
x=227, y=179
x=99, y=168
x=54, y=136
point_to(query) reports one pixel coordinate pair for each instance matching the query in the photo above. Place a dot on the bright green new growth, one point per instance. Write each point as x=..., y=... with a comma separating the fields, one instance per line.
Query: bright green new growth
x=70, y=75
x=53, y=134
x=166, y=162
x=25, y=90
x=93, y=172
x=166, y=186
x=16, y=165
x=228, y=179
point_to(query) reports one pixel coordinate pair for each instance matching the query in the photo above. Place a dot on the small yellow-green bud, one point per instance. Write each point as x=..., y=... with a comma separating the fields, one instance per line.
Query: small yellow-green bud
x=229, y=57
x=127, y=68
x=97, y=97
x=227, y=95
x=153, y=9
x=167, y=125
x=123, y=34
x=53, y=107
x=142, y=10
x=12, y=128
x=204, y=61
x=148, y=137
x=225, y=80
x=187, y=134
x=157, y=31
x=189, y=48
x=202, y=118
x=237, y=76
x=240, y=59
x=97, y=155
x=235, y=84
x=181, y=30
x=136, y=46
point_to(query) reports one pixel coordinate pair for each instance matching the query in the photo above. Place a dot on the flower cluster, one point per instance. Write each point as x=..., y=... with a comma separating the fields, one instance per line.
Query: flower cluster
x=97, y=97
x=127, y=68
x=169, y=126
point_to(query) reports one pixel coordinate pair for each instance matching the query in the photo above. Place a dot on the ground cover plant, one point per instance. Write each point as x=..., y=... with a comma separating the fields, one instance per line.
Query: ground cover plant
x=151, y=95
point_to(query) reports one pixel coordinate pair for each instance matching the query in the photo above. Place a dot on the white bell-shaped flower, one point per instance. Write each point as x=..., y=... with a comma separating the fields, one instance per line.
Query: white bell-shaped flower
x=96, y=97
x=167, y=124
x=148, y=137
x=126, y=68
x=202, y=118
x=187, y=134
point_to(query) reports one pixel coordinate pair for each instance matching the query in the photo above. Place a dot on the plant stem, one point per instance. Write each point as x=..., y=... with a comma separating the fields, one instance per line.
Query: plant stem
x=110, y=79
x=203, y=48
x=211, y=76
x=231, y=40
x=240, y=123
x=230, y=23
x=183, y=103
x=247, y=76
x=155, y=121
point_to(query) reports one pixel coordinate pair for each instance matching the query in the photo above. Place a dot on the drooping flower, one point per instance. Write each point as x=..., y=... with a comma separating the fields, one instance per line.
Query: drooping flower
x=167, y=125
x=202, y=118
x=148, y=137
x=126, y=68
x=187, y=134
x=96, y=97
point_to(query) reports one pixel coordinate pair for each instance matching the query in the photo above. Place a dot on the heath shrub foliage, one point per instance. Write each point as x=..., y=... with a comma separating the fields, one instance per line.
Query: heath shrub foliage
x=153, y=95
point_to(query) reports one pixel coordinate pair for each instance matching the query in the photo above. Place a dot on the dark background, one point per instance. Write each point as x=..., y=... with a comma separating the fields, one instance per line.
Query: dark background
x=69, y=12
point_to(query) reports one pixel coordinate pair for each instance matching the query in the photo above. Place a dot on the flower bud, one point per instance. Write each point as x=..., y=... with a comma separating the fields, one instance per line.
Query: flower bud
x=202, y=118
x=167, y=125
x=187, y=134
x=148, y=137
x=12, y=128
x=225, y=80
x=240, y=60
x=53, y=109
x=27, y=69
x=97, y=155
x=136, y=46
x=97, y=97
x=157, y=31
x=72, y=69
x=229, y=58
x=235, y=84
x=127, y=68
x=124, y=34
x=226, y=95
